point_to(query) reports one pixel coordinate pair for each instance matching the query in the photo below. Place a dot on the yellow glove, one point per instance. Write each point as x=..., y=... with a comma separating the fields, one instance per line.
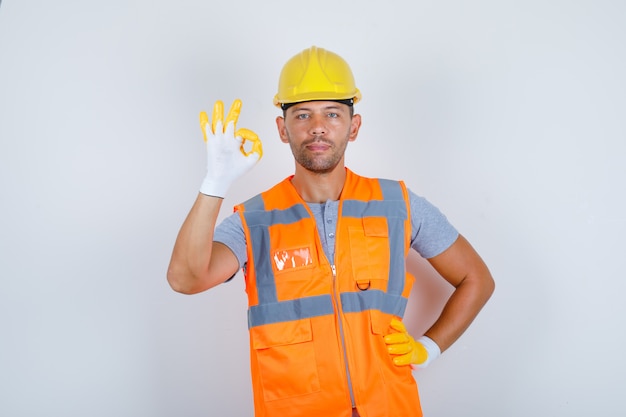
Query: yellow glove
x=407, y=351
x=227, y=158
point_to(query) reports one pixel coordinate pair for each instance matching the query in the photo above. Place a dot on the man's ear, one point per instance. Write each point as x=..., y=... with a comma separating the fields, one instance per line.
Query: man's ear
x=355, y=125
x=282, y=130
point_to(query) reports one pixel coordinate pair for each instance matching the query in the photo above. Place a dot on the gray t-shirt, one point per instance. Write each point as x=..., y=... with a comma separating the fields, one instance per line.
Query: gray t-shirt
x=431, y=232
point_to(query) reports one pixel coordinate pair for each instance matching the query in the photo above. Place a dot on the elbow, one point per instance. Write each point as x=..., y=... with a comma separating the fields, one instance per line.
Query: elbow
x=181, y=283
x=187, y=282
x=488, y=286
x=481, y=284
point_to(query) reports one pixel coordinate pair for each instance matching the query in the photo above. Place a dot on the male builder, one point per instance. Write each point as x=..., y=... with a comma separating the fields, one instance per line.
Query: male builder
x=323, y=254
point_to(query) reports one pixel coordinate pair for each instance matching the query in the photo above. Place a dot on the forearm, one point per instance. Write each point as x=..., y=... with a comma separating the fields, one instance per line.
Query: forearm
x=463, y=268
x=461, y=309
x=189, y=266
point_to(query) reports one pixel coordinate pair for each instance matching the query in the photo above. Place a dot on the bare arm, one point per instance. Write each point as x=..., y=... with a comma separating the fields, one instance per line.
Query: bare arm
x=197, y=262
x=462, y=267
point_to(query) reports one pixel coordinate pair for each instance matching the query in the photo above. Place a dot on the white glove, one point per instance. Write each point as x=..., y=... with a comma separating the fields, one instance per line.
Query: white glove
x=227, y=159
x=433, y=351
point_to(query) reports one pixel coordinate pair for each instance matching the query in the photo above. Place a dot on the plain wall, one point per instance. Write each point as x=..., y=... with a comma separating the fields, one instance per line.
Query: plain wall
x=510, y=116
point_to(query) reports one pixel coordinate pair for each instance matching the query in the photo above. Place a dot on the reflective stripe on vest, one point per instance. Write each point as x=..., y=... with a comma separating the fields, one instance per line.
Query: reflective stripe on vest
x=269, y=310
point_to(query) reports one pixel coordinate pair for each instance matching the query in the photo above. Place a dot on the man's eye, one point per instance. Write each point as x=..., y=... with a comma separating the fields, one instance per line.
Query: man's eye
x=333, y=115
x=302, y=116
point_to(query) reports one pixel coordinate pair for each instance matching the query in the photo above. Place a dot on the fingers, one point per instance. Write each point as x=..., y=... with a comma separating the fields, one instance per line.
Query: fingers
x=257, y=148
x=217, y=119
x=395, y=338
x=400, y=349
x=233, y=113
x=218, y=115
x=204, y=121
x=398, y=325
x=402, y=360
x=249, y=135
x=401, y=337
x=405, y=349
x=399, y=344
x=219, y=125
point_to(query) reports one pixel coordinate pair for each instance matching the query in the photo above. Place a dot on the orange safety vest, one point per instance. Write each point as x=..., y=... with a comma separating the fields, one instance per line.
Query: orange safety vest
x=317, y=327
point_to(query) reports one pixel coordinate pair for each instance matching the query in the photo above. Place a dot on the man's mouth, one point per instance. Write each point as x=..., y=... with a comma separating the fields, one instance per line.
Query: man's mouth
x=318, y=146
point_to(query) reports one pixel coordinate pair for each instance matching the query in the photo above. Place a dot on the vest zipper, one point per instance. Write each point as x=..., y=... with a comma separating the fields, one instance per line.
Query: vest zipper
x=343, y=341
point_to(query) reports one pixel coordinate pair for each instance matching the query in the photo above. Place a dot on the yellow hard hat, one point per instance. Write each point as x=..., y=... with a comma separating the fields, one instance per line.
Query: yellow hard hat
x=316, y=74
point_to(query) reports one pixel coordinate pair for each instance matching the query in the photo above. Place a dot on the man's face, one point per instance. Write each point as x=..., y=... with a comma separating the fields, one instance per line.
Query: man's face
x=318, y=133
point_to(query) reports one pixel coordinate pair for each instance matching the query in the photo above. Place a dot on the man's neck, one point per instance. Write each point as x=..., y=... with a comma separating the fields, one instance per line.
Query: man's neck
x=316, y=187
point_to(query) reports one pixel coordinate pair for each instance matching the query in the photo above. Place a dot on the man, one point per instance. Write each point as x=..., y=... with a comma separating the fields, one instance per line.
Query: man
x=323, y=254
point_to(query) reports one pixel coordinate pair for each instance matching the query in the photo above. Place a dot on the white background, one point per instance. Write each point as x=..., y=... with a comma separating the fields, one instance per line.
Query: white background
x=508, y=115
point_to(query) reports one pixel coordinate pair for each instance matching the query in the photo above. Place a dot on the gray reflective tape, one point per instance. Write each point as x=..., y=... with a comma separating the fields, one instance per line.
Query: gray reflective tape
x=392, y=190
x=258, y=223
x=256, y=203
x=268, y=218
x=375, y=208
x=393, y=194
x=394, y=209
x=265, y=281
x=356, y=302
x=397, y=261
x=284, y=311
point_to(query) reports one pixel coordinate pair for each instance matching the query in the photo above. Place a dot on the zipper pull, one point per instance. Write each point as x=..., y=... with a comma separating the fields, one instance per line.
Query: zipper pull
x=334, y=271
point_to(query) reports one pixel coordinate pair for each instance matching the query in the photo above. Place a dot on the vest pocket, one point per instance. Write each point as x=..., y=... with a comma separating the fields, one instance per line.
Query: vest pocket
x=286, y=359
x=381, y=326
x=369, y=249
x=380, y=322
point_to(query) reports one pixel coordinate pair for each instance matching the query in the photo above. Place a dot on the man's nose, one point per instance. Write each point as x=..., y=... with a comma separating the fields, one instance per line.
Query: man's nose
x=318, y=125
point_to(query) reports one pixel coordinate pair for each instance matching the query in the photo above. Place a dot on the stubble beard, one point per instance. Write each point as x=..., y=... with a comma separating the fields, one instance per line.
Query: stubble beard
x=318, y=163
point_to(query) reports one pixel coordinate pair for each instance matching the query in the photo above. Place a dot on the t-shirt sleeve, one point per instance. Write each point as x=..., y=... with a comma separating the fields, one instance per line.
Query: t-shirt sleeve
x=431, y=233
x=230, y=233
